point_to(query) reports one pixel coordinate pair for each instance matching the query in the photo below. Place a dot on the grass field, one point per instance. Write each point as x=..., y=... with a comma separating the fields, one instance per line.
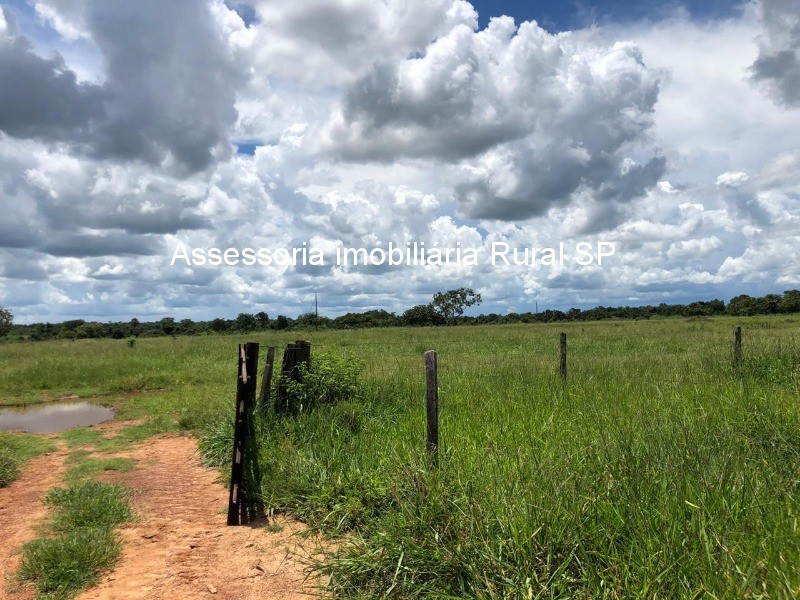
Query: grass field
x=658, y=470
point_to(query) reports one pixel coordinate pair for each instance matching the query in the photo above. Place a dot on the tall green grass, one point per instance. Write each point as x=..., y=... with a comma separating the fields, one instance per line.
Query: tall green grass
x=660, y=469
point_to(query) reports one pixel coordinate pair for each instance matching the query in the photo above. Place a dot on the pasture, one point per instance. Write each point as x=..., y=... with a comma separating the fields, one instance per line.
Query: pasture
x=659, y=469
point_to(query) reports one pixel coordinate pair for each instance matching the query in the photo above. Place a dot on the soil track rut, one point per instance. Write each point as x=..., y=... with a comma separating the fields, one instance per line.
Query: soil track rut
x=179, y=546
x=21, y=510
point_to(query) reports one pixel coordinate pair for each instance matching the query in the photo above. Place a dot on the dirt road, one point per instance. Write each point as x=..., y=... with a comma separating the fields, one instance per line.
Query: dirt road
x=179, y=547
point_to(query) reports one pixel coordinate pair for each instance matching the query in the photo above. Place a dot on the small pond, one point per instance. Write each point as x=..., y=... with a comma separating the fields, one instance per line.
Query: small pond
x=53, y=417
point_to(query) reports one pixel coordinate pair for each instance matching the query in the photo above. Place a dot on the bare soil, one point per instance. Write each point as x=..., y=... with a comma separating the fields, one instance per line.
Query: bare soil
x=179, y=546
x=21, y=510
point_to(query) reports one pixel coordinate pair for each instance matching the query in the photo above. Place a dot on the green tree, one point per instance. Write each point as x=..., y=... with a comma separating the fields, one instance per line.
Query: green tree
x=186, y=326
x=246, y=322
x=453, y=303
x=263, y=320
x=168, y=326
x=421, y=315
x=90, y=330
x=742, y=306
x=790, y=302
x=6, y=320
x=219, y=325
x=281, y=322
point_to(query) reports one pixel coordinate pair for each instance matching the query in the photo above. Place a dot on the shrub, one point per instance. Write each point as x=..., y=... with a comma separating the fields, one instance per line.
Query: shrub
x=329, y=380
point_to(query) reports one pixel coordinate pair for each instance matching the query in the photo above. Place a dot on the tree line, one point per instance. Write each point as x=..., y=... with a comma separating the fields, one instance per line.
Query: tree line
x=446, y=308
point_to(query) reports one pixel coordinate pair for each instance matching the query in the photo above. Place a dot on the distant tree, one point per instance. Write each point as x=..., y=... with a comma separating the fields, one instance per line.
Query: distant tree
x=6, y=321
x=371, y=318
x=168, y=326
x=281, y=322
x=117, y=331
x=452, y=303
x=263, y=320
x=790, y=302
x=421, y=315
x=90, y=330
x=186, y=326
x=743, y=306
x=219, y=325
x=717, y=307
x=69, y=328
x=246, y=322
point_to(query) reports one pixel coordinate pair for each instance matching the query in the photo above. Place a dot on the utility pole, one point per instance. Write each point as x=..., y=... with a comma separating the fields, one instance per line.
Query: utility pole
x=537, y=307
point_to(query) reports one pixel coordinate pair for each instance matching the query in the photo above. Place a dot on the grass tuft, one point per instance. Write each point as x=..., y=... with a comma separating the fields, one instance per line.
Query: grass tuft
x=91, y=467
x=64, y=565
x=16, y=449
x=81, y=543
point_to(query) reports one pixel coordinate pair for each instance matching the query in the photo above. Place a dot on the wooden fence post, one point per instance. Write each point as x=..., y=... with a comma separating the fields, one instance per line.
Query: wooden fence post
x=564, y=356
x=432, y=406
x=737, y=346
x=266, y=382
x=295, y=354
x=241, y=506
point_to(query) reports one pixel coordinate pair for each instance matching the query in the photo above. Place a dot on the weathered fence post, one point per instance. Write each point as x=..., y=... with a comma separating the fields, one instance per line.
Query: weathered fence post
x=295, y=354
x=432, y=405
x=240, y=506
x=564, y=356
x=737, y=346
x=266, y=382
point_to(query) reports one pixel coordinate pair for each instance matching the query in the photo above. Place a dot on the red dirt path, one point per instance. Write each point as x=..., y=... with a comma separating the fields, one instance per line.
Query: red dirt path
x=179, y=547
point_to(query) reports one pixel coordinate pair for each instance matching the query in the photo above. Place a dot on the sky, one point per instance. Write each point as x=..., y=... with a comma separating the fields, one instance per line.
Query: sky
x=136, y=137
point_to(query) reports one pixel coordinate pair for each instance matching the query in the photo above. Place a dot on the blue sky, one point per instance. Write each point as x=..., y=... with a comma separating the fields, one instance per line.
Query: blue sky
x=128, y=130
x=576, y=14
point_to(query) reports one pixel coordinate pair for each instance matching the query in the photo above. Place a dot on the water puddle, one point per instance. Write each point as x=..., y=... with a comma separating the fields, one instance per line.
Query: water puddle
x=53, y=417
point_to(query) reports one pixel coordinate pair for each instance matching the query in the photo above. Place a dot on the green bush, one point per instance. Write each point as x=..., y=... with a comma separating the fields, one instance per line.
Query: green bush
x=329, y=380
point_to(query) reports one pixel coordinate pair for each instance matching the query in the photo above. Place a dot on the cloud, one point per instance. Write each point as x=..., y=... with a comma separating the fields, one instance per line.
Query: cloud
x=376, y=122
x=777, y=67
x=168, y=92
x=731, y=179
x=782, y=171
x=41, y=97
x=530, y=118
x=324, y=42
x=693, y=249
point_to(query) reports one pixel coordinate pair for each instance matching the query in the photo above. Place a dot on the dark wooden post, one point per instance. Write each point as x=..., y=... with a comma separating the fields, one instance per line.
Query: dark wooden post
x=432, y=405
x=266, y=381
x=737, y=346
x=564, y=356
x=287, y=366
x=239, y=434
x=239, y=503
x=295, y=354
